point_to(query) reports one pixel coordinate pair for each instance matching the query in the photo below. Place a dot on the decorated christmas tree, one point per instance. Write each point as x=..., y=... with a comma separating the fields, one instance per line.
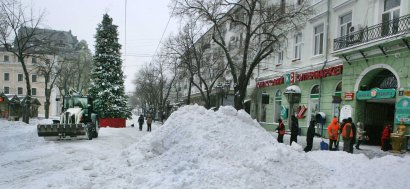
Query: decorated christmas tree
x=107, y=79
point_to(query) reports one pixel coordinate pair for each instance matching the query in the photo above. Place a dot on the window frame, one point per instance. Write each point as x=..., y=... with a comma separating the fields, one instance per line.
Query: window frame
x=33, y=78
x=320, y=36
x=6, y=90
x=6, y=78
x=280, y=56
x=18, y=90
x=18, y=77
x=298, y=47
x=6, y=58
x=346, y=24
x=33, y=91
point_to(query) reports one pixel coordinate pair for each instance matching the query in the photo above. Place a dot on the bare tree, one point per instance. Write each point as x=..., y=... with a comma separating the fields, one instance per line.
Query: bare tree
x=75, y=70
x=18, y=35
x=50, y=68
x=261, y=26
x=203, y=65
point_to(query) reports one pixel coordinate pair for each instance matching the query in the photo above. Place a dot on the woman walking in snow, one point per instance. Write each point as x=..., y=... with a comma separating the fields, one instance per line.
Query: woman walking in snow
x=360, y=135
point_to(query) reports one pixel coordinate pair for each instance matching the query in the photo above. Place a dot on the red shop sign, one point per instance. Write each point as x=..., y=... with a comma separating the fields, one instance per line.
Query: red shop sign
x=349, y=96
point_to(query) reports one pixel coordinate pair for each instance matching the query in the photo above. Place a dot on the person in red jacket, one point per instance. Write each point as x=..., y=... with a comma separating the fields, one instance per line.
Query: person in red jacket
x=386, y=138
x=281, y=130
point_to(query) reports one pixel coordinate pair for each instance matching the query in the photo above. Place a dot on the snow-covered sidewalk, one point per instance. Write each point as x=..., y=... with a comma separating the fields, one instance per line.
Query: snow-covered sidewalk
x=195, y=148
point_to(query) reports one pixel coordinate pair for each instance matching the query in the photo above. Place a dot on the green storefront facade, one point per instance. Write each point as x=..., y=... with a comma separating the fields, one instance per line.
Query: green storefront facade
x=373, y=83
x=320, y=93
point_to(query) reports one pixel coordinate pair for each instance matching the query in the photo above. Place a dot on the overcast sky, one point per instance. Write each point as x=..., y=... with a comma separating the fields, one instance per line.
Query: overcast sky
x=146, y=22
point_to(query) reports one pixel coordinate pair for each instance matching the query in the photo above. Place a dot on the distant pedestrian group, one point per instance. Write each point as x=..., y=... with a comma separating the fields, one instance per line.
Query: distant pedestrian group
x=141, y=122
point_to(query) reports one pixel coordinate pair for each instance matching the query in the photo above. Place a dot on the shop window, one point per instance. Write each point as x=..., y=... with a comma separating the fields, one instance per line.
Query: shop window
x=278, y=104
x=313, y=102
x=336, y=103
x=265, y=102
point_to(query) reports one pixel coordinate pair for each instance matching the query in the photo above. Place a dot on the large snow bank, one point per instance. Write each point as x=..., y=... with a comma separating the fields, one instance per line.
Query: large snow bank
x=199, y=148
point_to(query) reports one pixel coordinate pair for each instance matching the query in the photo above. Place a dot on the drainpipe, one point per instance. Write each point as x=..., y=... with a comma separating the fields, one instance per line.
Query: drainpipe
x=326, y=53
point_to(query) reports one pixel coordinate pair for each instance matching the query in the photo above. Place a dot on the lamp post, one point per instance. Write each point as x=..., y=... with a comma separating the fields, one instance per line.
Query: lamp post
x=219, y=90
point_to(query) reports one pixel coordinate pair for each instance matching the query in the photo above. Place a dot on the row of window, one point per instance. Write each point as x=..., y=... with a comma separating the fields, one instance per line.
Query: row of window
x=6, y=58
x=6, y=90
x=19, y=77
x=391, y=11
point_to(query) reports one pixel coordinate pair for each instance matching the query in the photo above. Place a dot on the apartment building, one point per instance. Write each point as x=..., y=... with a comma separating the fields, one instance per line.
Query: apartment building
x=12, y=81
x=349, y=60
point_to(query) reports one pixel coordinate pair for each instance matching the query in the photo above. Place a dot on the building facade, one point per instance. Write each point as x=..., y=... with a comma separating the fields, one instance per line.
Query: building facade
x=12, y=79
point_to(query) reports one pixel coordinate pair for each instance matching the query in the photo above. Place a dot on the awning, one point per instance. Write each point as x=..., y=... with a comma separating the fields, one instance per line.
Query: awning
x=293, y=89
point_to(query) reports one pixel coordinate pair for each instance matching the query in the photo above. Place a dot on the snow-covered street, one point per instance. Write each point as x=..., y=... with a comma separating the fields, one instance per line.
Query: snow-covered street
x=195, y=148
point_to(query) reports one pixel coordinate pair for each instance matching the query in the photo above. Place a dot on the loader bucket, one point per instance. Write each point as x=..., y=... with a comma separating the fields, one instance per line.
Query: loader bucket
x=61, y=130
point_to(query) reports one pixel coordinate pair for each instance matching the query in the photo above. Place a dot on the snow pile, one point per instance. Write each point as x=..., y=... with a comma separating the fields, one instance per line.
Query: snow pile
x=199, y=148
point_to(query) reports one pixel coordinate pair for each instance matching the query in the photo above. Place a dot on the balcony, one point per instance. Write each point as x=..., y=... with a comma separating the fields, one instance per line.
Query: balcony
x=383, y=30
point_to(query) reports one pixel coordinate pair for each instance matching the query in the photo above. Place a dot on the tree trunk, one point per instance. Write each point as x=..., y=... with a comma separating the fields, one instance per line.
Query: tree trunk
x=27, y=105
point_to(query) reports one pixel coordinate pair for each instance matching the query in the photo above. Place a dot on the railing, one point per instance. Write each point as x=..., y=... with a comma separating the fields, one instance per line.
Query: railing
x=393, y=27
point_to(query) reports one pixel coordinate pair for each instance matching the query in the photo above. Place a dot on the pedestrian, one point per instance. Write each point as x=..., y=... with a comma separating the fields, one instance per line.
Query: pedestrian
x=141, y=121
x=386, y=138
x=294, y=129
x=347, y=134
x=344, y=121
x=309, y=136
x=149, y=122
x=332, y=131
x=360, y=135
x=281, y=130
x=353, y=141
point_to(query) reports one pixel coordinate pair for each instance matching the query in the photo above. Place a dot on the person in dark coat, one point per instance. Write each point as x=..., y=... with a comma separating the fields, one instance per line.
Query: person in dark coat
x=294, y=130
x=309, y=136
x=141, y=121
x=353, y=141
x=149, y=122
x=281, y=130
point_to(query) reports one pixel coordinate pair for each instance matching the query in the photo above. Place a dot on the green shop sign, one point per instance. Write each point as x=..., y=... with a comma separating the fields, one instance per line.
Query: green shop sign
x=403, y=111
x=376, y=93
x=283, y=112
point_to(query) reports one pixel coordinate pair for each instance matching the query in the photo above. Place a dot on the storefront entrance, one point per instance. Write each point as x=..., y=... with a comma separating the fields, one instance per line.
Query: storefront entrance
x=376, y=115
x=376, y=100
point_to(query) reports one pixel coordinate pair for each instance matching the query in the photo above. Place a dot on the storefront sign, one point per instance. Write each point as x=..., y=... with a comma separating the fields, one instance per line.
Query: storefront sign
x=270, y=82
x=349, y=96
x=327, y=72
x=406, y=93
x=376, y=93
x=402, y=111
x=283, y=112
x=345, y=112
x=301, y=112
x=292, y=77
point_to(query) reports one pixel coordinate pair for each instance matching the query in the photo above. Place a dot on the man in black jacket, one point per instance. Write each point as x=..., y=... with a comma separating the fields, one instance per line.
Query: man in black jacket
x=309, y=135
x=294, y=130
x=141, y=121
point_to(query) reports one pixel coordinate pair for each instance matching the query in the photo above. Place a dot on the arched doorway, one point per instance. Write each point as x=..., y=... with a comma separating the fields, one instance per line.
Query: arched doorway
x=376, y=99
